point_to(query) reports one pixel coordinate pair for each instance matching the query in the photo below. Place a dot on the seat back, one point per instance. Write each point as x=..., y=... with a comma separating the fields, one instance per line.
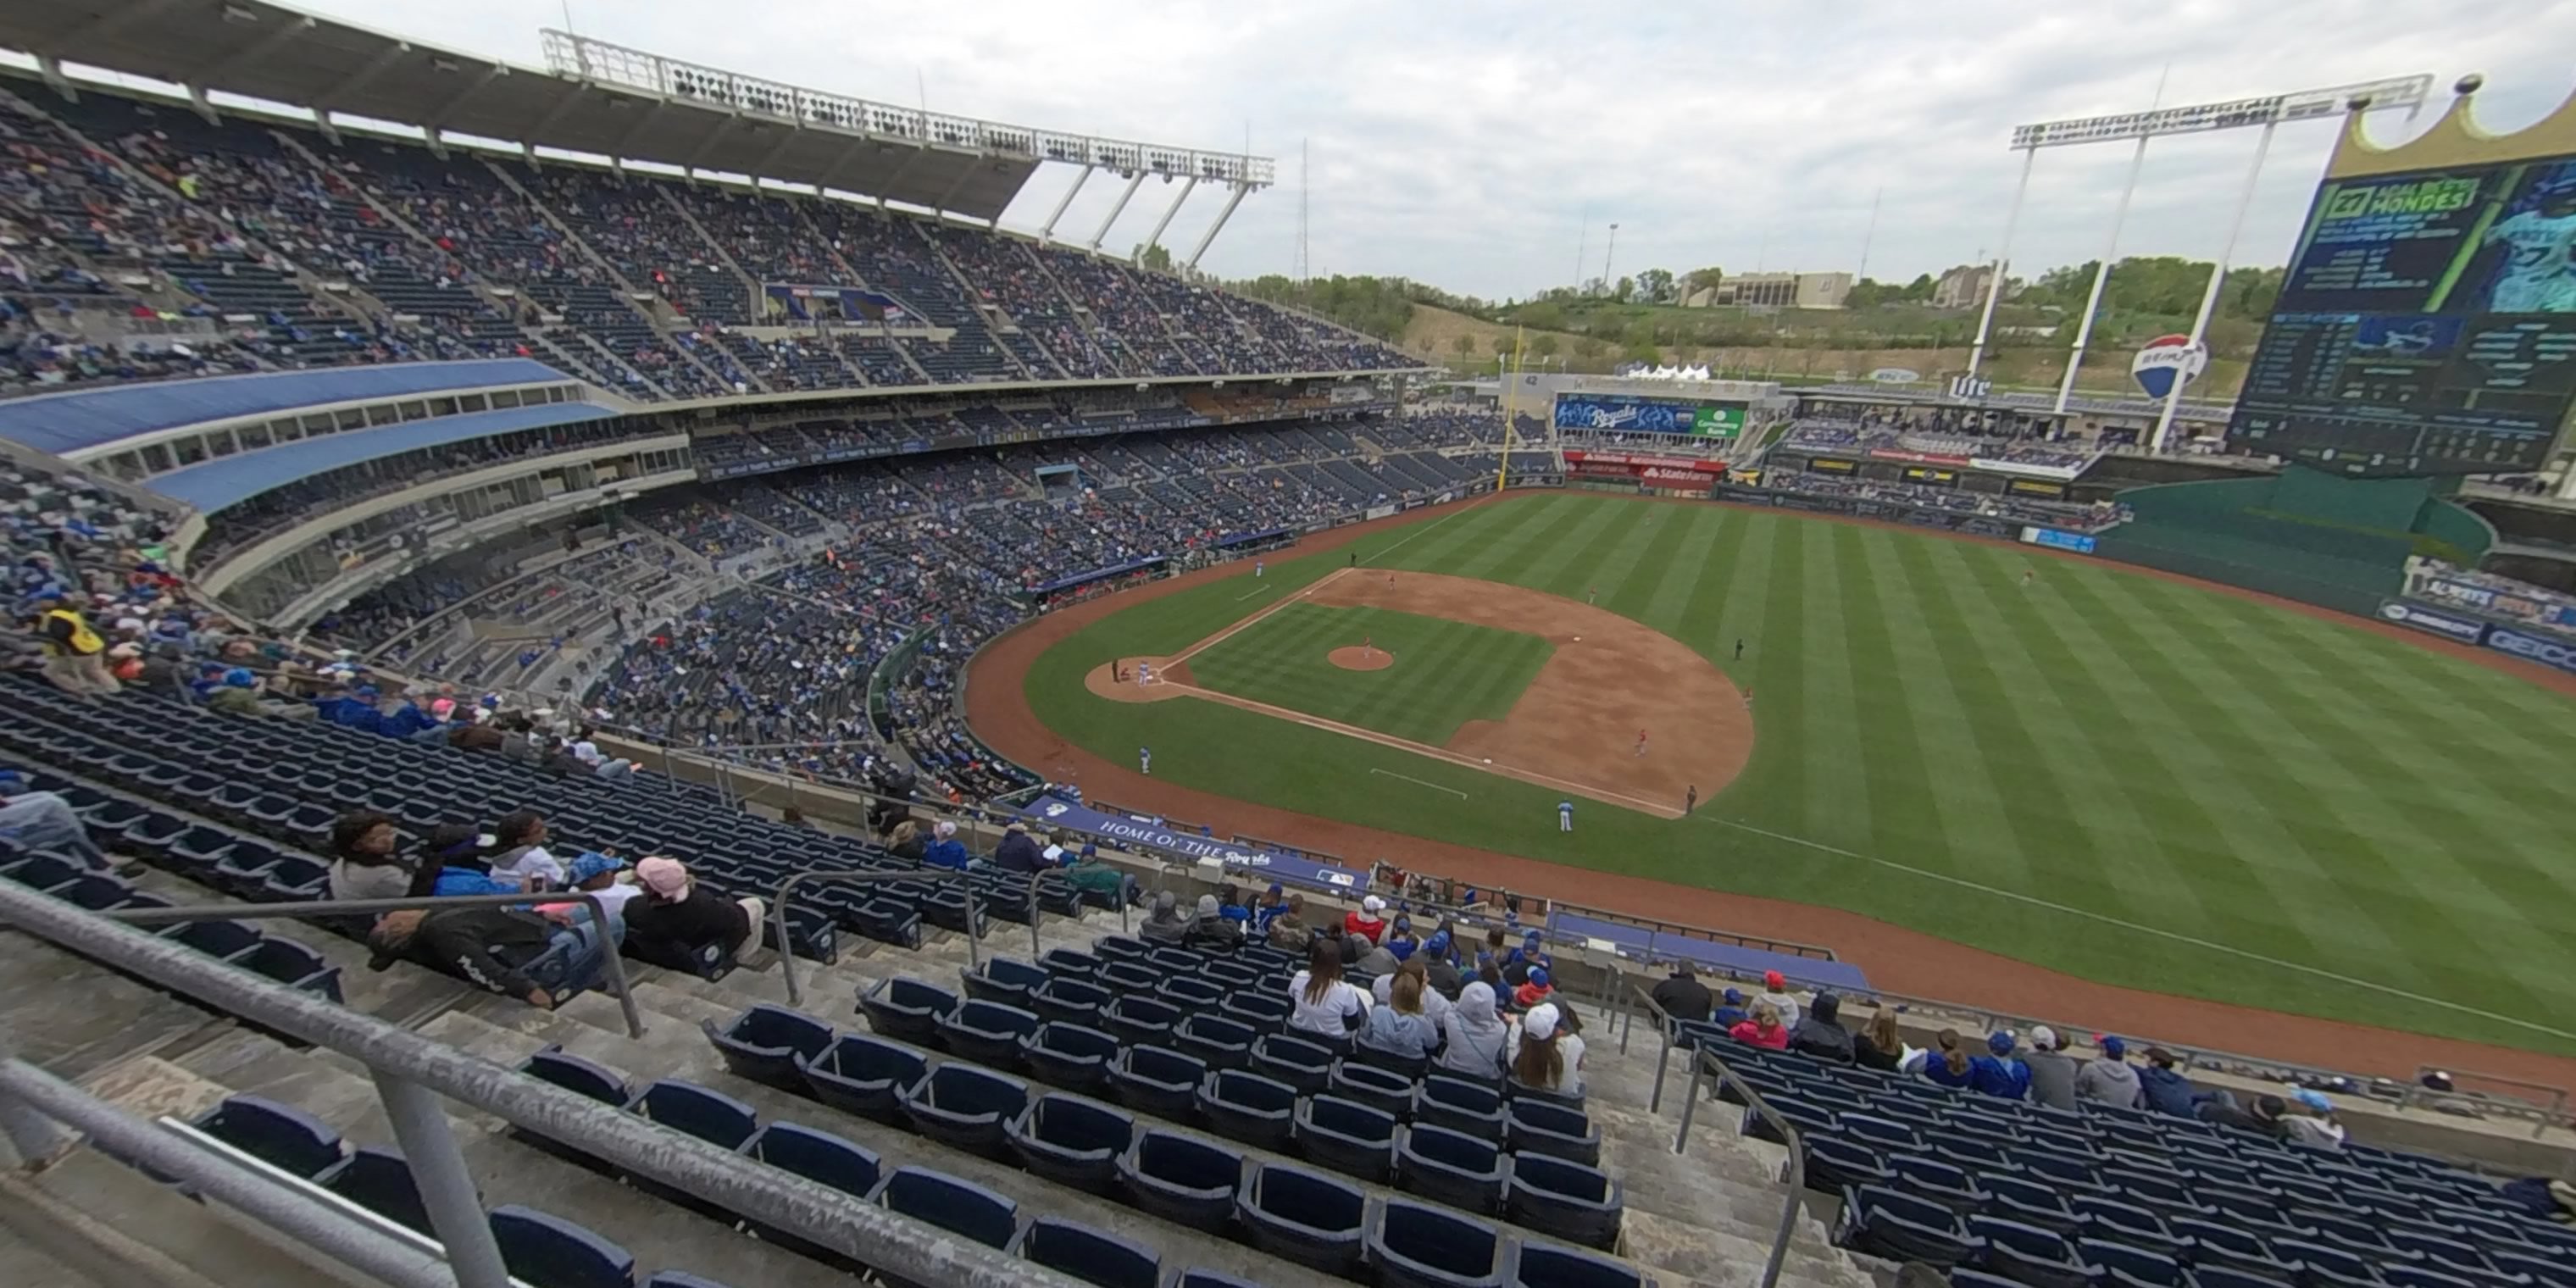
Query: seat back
x=281, y=1136
x=380, y=1181
x=1542, y=1265
x=764, y=1042
x=817, y=1156
x=960, y=1207
x=1433, y=1245
x=1071, y=1125
x=964, y=1091
x=1223, y=1043
x=1306, y=1216
x=1090, y=1255
x=550, y=1252
x=703, y=1112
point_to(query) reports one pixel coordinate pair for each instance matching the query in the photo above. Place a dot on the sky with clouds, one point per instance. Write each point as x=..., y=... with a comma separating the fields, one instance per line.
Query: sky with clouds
x=1470, y=145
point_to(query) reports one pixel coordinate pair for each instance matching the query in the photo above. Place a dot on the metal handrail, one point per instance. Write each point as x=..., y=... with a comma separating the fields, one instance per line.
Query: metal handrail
x=408, y=1067
x=616, y=962
x=1794, y=1175
x=872, y=876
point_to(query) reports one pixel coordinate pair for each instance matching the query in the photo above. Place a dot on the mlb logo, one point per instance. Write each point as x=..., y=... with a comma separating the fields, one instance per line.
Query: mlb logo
x=2168, y=361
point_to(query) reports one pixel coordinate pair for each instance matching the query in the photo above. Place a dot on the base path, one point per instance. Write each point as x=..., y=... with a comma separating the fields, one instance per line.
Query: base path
x=1900, y=959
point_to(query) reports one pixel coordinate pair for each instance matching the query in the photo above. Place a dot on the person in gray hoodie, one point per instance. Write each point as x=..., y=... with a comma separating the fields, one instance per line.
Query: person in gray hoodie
x=2109, y=1079
x=1475, y=1035
x=2052, y=1071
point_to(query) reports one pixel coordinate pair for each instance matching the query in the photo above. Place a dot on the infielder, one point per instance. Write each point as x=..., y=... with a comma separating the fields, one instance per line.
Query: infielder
x=1145, y=761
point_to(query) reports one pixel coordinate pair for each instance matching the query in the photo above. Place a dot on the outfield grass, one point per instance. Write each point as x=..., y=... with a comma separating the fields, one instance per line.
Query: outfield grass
x=1445, y=674
x=2113, y=774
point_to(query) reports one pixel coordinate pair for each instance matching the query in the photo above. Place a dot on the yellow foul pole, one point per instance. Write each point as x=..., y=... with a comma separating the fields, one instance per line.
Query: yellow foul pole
x=1511, y=399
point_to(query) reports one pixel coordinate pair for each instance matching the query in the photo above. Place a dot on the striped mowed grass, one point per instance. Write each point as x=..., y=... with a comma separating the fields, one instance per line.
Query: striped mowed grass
x=1445, y=674
x=2113, y=774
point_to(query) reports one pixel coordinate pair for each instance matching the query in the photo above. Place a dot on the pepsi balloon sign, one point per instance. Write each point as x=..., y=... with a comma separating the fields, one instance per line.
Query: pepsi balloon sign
x=2168, y=361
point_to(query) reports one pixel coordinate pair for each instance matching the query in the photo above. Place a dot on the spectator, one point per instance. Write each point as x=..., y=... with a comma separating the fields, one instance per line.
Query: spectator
x=1288, y=932
x=1880, y=1046
x=1368, y=958
x=519, y=851
x=601, y=764
x=1763, y=1029
x=1400, y=940
x=1775, y=990
x=1474, y=1035
x=1438, y=971
x=1820, y=1033
x=1434, y=1006
x=906, y=842
x=75, y=655
x=2109, y=1079
x=1272, y=905
x=538, y=959
x=1530, y=956
x=945, y=850
x=1948, y=1064
x=672, y=919
x=1545, y=1059
x=598, y=874
x=1682, y=996
x=1536, y=987
x=2052, y=1072
x=1164, y=925
x=1364, y=921
x=1399, y=1028
x=1997, y=1073
x=2162, y=1088
x=1324, y=1005
x=45, y=821
x=2541, y=1198
x=1212, y=928
x=238, y=695
x=2312, y=1122
x=451, y=863
x=1018, y=851
x=2263, y=1116
x=363, y=862
x=1093, y=875
x=1731, y=1009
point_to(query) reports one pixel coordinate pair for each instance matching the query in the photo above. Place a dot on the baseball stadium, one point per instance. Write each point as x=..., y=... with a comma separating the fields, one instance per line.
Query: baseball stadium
x=621, y=687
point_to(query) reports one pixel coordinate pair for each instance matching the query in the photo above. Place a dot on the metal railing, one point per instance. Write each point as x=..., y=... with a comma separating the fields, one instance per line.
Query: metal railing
x=873, y=876
x=1794, y=1175
x=408, y=1068
x=614, y=963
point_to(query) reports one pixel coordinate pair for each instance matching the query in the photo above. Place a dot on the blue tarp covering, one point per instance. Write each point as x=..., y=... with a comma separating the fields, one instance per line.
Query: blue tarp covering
x=1056, y=811
x=1082, y=578
x=233, y=479
x=82, y=418
x=1728, y=959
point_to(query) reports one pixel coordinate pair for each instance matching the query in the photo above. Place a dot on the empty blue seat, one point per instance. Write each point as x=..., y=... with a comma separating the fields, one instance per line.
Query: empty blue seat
x=1943, y=1183
x=1125, y=978
x=1902, y=1227
x=2231, y=1277
x=291, y=964
x=1530, y=1126
x=987, y=1033
x=1248, y=1107
x=1887, y=1134
x=703, y=1112
x=1564, y=1199
x=1182, y=1178
x=1380, y=1089
x=1067, y=963
x=1092, y=1256
x=889, y=921
x=550, y=1252
x=961, y=1105
x=1121, y=948
x=44, y=870
x=1191, y=993
x=1220, y=1042
x=1475, y=1108
x=2120, y=1265
x=962, y=1208
x=1834, y=1164
x=2218, y=1243
x=293, y=879
x=1450, y=1167
x=864, y=1075
x=822, y=1158
x=2113, y=1221
x=1139, y=1019
x=281, y=1136
x=2029, y=1201
x=1310, y=1218
x=1157, y=1081
x=768, y=1043
x=243, y=868
x=379, y=1181
x=1070, y=999
x=1412, y=1244
x=94, y=891
x=906, y=1009
x=1003, y=980
x=1071, y=1140
x=1295, y=1061
x=1263, y=1013
x=1069, y=1055
x=1346, y=1136
x=955, y=909
x=2027, y=1254
x=1545, y=1265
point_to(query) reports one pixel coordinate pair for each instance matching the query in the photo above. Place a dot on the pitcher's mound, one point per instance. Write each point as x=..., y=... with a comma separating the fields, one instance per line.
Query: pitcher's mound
x=1361, y=659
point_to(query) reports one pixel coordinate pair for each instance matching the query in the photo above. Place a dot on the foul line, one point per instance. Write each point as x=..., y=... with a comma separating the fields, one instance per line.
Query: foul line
x=1423, y=531
x=1249, y=622
x=1262, y=591
x=1419, y=783
x=2176, y=936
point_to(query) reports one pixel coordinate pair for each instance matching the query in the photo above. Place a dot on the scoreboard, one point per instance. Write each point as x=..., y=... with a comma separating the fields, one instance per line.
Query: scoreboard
x=2426, y=325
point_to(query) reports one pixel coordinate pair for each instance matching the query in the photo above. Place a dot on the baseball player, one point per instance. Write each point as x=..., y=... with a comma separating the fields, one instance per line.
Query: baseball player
x=1565, y=816
x=1690, y=799
x=2535, y=276
x=1641, y=742
x=1145, y=761
x=1739, y=650
x=1144, y=673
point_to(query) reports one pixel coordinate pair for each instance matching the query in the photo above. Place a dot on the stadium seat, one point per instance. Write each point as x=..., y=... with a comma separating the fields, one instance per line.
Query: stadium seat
x=2027, y=1254
x=1409, y=1067
x=2113, y=1221
x=864, y=1076
x=2230, y=1277
x=1263, y=1013
x=1532, y=1127
x=1415, y=1245
x=1834, y=1164
x=1069, y=1056
x=887, y=921
x=1295, y=1061
x=1121, y=948
x=768, y=1044
x=1450, y=1167
x=281, y=1136
x=1902, y=1227
x=1157, y=1081
x=1542, y=1265
x=381, y=1182
x=1248, y=1107
x=960, y=1207
x=1072, y=964
x=1182, y=1178
x=1126, y=978
x=1306, y=1217
x=1191, y=994
x=987, y=1033
x=2121, y=1265
x=1070, y=999
x=906, y=1009
x=1475, y=1109
x=1220, y=1042
x=819, y=1157
x=292, y=964
x=961, y=1105
x=1345, y=1136
x=1139, y=1019
x=1093, y=1256
x=2019, y=1198
x=1388, y=1093
x=1567, y=1200
x=549, y=1252
x=44, y=870
x=1071, y=1140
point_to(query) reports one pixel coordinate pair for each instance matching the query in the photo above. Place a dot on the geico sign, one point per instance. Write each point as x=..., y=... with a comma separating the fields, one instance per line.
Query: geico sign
x=2545, y=652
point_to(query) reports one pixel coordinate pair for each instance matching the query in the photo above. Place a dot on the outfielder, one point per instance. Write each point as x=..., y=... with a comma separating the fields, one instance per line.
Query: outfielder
x=1145, y=761
x=1565, y=816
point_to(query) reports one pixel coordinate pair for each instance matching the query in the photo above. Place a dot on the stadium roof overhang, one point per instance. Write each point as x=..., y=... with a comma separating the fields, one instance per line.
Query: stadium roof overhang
x=636, y=108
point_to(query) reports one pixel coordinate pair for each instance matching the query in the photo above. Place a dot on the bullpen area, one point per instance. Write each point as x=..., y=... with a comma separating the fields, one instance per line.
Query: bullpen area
x=2125, y=776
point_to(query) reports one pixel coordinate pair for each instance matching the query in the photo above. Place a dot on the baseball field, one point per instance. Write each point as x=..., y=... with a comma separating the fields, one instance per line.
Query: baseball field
x=2128, y=778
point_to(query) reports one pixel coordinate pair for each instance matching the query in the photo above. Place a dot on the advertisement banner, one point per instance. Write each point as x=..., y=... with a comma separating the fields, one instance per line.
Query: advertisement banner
x=2060, y=472
x=2432, y=621
x=1629, y=413
x=1056, y=811
x=1579, y=456
x=1379, y=511
x=2533, y=607
x=2558, y=654
x=2056, y=540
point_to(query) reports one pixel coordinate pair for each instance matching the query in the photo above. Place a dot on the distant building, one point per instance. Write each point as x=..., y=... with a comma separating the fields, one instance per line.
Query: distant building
x=1774, y=290
x=1962, y=287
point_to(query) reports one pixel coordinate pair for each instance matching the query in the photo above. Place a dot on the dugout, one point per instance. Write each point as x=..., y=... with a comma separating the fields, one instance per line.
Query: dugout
x=2319, y=538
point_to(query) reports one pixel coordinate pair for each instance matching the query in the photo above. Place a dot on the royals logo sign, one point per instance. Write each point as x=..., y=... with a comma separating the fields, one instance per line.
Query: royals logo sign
x=2168, y=361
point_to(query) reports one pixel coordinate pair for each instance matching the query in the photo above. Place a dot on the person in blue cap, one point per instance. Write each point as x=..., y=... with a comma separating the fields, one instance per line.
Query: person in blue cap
x=1998, y=1073
x=1274, y=901
x=2109, y=1078
x=1440, y=965
x=1565, y=816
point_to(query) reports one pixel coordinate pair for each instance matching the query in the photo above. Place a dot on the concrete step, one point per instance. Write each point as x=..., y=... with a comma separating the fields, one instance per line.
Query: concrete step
x=72, y=1016
x=89, y=1222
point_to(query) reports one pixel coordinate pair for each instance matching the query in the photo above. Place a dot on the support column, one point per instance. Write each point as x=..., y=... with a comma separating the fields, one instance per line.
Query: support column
x=1133, y=182
x=455, y=1210
x=1046, y=235
x=2003, y=258
x=1213, y=229
x=1169, y=211
x=2217, y=276
x=2101, y=277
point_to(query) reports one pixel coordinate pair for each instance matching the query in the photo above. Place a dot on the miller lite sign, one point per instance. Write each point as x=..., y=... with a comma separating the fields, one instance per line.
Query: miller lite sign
x=2167, y=363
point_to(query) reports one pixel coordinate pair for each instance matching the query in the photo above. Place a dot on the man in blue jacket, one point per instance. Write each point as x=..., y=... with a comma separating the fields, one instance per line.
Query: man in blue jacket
x=1997, y=1073
x=2167, y=1091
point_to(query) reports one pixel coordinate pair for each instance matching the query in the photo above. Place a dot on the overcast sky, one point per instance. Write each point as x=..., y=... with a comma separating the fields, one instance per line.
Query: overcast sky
x=1461, y=144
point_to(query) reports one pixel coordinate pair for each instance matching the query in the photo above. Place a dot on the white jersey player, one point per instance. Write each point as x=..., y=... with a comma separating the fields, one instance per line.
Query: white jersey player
x=2539, y=272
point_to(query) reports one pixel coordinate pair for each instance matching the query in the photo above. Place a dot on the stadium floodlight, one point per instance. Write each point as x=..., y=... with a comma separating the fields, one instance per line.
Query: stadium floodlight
x=2268, y=113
